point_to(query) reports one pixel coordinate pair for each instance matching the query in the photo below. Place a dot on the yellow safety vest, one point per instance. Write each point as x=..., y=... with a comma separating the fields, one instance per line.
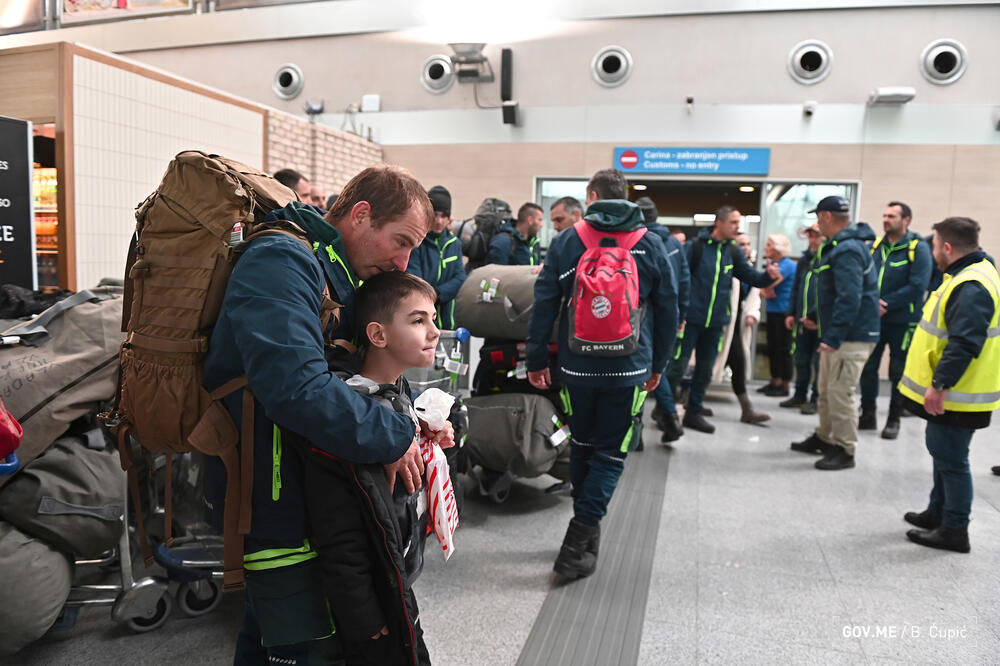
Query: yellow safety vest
x=978, y=390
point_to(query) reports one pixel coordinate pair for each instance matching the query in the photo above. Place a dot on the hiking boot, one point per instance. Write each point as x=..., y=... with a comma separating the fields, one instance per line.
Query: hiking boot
x=809, y=408
x=707, y=412
x=766, y=387
x=660, y=417
x=749, y=415
x=672, y=430
x=811, y=444
x=575, y=559
x=795, y=402
x=835, y=458
x=925, y=520
x=594, y=543
x=867, y=420
x=955, y=539
x=891, y=429
x=996, y=470
x=698, y=422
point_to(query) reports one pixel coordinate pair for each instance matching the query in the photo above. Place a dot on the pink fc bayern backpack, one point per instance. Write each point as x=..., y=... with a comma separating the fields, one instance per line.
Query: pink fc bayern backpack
x=604, y=311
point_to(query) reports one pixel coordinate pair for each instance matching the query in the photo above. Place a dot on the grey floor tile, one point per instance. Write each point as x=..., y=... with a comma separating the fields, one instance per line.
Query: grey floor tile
x=668, y=644
x=727, y=648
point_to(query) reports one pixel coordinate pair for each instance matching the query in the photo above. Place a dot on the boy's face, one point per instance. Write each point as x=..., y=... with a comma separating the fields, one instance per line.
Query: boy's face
x=411, y=337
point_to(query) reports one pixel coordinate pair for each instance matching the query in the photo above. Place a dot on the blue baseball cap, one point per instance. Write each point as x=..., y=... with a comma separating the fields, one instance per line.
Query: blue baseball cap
x=833, y=204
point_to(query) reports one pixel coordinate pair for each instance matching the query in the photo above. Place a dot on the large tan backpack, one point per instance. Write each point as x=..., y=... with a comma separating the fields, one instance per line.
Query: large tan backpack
x=189, y=233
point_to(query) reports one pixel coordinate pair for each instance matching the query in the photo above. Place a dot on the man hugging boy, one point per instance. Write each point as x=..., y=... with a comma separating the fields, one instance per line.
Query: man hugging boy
x=369, y=530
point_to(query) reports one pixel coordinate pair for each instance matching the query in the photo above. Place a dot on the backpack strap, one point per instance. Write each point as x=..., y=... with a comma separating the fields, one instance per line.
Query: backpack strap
x=591, y=237
x=697, y=249
x=878, y=241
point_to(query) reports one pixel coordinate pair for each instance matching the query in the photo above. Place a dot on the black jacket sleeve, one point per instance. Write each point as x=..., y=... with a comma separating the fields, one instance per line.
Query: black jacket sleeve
x=967, y=315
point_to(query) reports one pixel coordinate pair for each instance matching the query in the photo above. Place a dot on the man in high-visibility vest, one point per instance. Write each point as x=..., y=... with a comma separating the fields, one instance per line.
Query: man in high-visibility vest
x=903, y=264
x=951, y=378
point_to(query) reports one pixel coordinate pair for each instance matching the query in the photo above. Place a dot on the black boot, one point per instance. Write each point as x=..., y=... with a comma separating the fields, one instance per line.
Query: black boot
x=811, y=444
x=575, y=559
x=867, y=420
x=945, y=538
x=672, y=430
x=925, y=520
x=891, y=430
x=835, y=458
x=594, y=543
x=697, y=422
x=996, y=470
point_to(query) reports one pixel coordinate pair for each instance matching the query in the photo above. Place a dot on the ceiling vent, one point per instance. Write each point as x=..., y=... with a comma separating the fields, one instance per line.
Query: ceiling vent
x=810, y=61
x=943, y=61
x=288, y=81
x=612, y=66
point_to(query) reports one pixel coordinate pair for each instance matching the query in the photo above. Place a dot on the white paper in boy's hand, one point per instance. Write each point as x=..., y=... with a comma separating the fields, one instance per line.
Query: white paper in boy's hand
x=433, y=407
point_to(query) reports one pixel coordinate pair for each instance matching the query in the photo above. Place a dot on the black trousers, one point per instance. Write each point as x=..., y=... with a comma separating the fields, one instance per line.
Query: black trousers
x=779, y=347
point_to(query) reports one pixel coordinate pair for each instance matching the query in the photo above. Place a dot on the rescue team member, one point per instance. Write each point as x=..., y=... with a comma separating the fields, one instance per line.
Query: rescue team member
x=564, y=213
x=713, y=260
x=847, y=325
x=678, y=263
x=802, y=320
x=903, y=263
x=518, y=244
x=269, y=330
x=603, y=395
x=438, y=259
x=951, y=378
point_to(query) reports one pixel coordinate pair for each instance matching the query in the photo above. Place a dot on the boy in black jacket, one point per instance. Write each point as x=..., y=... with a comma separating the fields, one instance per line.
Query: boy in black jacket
x=368, y=530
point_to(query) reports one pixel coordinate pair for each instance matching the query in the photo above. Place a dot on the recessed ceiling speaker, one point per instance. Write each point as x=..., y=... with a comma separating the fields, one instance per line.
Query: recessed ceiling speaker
x=288, y=81
x=809, y=62
x=438, y=74
x=943, y=61
x=611, y=66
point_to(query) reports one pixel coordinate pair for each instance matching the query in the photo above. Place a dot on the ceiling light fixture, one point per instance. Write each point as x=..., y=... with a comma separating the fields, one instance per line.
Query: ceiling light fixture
x=639, y=187
x=746, y=188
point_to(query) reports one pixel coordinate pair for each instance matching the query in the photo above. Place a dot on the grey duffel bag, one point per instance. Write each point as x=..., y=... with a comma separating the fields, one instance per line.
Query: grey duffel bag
x=35, y=579
x=497, y=302
x=516, y=432
x=70, y=497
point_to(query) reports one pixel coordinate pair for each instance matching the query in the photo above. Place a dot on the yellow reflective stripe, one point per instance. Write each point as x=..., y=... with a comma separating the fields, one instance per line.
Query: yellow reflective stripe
x=715, y=285
x=274, y=553
x=567, y=405
x=335, y=258
x=954, y=396
x=637, y=399
x=276, y=463
x=448, y=260
x=286, y=561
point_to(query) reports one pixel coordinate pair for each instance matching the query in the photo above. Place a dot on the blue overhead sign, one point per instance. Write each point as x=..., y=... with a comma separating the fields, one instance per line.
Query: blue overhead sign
x=705, y=161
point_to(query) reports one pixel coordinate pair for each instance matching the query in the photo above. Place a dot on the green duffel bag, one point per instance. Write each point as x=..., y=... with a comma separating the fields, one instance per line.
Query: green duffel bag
x=71, y=497
x=516, y=432
x=35, y=579
x=496, y=301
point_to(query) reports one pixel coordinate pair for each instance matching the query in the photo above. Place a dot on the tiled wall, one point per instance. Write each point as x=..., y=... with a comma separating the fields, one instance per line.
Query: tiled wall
x=325, y=156
x=126, y=128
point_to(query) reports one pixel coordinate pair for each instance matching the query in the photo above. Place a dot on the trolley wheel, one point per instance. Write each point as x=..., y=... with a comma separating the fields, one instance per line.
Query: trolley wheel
x=142, y=624
x=198, y=598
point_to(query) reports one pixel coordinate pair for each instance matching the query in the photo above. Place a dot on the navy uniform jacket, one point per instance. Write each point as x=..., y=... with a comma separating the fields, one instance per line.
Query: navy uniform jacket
x=269, y=329
x=438, y=260
x=804, y=289
x=678, y=262
x=554, y=287
x=509, y=248
x=712, y=279
x=902, y=282
x=847, y=289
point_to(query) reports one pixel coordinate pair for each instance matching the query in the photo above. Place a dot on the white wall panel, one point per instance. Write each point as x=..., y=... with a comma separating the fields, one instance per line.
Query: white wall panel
x=127, y=127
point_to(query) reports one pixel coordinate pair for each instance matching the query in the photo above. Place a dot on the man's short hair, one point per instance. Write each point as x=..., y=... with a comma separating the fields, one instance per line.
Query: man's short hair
x=570, y=204
x=904, y=210
x=330, y=200
x=961, y=232
x=389, y=190
x=528, y=210
x=608, y=184
x=723, y=212
x=379, y=296
x=648, y=208
x=288, y=177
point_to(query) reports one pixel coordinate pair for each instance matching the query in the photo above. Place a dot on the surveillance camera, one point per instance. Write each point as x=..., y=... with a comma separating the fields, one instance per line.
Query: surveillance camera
x=314, y=108
x=809, y=108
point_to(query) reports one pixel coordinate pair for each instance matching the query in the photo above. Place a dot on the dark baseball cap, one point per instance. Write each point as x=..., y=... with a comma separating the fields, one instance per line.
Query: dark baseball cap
x=833, y=204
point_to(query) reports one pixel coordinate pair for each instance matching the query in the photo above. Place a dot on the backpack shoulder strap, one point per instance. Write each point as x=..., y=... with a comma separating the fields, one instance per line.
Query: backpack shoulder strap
x=697, y=249
x=878, y=241
x=911, y=252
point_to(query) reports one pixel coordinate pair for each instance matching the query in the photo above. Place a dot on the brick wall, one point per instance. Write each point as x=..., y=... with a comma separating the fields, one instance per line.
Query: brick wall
x=325, y=156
